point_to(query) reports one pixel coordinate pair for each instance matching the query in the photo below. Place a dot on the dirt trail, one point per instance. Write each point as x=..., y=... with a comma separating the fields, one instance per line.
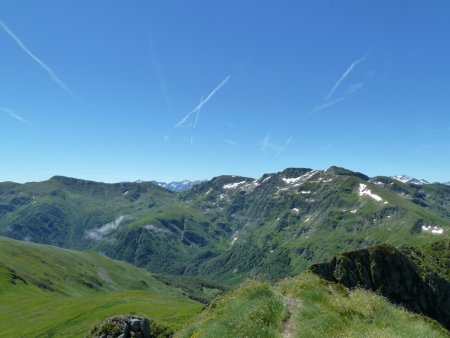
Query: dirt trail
x=292, y=305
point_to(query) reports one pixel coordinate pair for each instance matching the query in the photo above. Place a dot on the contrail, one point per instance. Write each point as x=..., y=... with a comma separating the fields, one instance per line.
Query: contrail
x=326, y=105
x=267, y=144
x=330, y=145
x=351, y=90
x=14, y=115
x=203, y=102
x=198, y=113
x=284, y=147
x=344, y=76
x=50, y=72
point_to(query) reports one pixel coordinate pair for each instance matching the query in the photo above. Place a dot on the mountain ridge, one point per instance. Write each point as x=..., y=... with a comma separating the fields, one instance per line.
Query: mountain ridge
x=186, y=184
x=229, y=227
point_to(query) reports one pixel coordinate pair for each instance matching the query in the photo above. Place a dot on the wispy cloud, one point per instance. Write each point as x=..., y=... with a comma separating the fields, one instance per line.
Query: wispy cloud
x=232, y=126
x=354, y=88
x=344, y=76
x=14, y=115
x=50, y=72
x=202, y=103
x=366, y=145
x=267, y=143
x=106, y=229
x=157, y=68
x=233, y=143
x=331, y=145
x=166, y=137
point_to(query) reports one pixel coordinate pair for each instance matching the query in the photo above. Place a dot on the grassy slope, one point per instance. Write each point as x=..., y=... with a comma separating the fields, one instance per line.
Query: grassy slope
x=251, y=310
x=195, y=288
x=331, y=310
x=325, y=309
x=47, y=291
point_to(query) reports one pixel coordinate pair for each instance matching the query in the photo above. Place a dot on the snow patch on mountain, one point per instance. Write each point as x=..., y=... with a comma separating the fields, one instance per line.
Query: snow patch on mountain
x=249, y=186
x=265, y=180
x=234, y=238
x=292, y=180
x=296, y=181
x=432, y=229
x=365, y=191
x=233, y=185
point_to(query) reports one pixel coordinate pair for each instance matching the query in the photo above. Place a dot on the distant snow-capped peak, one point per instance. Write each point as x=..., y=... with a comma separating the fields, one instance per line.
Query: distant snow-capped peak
x=410, y=180
x=178, y=186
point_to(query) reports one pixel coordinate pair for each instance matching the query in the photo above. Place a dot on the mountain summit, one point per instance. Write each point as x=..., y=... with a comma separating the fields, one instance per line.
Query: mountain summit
x=410, y=180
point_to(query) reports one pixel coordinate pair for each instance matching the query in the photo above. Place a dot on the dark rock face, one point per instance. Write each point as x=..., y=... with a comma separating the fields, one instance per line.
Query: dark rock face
x=397, y=275
x=123, y=327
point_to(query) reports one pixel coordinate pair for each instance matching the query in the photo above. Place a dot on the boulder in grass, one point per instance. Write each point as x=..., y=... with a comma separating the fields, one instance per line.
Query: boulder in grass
x=126, y=326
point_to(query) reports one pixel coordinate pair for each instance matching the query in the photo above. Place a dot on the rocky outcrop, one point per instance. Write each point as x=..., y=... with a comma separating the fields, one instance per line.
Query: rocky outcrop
x=404, y=276
x=126, y=326
x=130, y=326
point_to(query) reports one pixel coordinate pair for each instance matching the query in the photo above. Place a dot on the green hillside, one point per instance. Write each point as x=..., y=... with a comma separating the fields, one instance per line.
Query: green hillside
x=283, y=222
x=310, y=306
x=229, y=228
x=51, y=292
x=141, y=223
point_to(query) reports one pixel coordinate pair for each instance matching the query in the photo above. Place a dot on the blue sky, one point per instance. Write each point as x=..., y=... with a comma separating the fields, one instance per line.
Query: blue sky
x=167, y=90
